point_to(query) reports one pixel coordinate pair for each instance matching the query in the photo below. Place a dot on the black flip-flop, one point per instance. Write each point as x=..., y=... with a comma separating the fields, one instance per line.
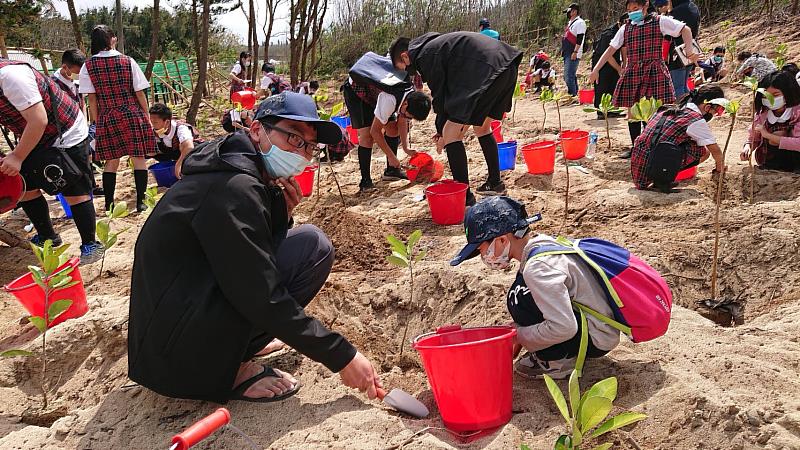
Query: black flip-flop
x=238, y=393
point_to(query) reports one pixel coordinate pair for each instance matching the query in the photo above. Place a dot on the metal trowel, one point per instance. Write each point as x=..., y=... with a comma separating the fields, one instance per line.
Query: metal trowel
x=402, y=401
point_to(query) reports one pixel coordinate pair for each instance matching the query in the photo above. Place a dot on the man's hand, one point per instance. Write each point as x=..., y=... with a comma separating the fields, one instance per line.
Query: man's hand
x=574, y=56
x=359, y=374
x=693, y=57
x=291, y=193
x=409, y=152
x=10, y=165
x=593, y=77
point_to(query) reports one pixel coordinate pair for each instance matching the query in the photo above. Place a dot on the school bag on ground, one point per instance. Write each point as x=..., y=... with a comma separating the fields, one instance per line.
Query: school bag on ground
x=637, y=294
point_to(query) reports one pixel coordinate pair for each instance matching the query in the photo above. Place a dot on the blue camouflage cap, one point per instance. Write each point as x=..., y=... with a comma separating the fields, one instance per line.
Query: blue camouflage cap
x=490, y=218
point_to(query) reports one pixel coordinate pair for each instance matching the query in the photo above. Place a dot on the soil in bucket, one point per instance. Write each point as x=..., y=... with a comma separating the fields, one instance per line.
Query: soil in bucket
x=470, y=373
x=574, y=143
x=540, y=157
x=507, y=152
x=447, y=200
x=31, y=296
x=306, y=180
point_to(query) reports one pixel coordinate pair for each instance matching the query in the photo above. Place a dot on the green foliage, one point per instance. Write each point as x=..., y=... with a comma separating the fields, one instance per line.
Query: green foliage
x=606, y=106
x=780, y=54
x=151, y=198
x=405, y=255
x=644, y=109
x=105, y=235
x=335, y=109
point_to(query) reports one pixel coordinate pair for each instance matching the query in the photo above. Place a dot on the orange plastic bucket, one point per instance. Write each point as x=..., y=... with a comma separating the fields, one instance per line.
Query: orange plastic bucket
x=425, y=167
x=306, y=180
x=497, y=130
x=246, y=98
x=540, y=157
x=586, y=96
x=447, y=200
x=687, y=174
x=574, y=143
x=470, y=373
x=31, y=296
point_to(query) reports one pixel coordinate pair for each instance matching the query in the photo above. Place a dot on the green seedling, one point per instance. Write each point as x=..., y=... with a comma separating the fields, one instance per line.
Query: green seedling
x=104, y=233
x=606, y=107
x=518, y=94
x=406, y=255
x=645, y=109
x=730, y=50
x=752, y=84
x=546, y=96
x=335, y=109
x=49, y=279
x=151, y=198
x=780, y=54
x=731, y=108
x=587, y=411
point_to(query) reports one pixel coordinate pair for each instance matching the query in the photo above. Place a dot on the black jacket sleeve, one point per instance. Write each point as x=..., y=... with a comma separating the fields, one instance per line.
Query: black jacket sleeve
x=233, y=226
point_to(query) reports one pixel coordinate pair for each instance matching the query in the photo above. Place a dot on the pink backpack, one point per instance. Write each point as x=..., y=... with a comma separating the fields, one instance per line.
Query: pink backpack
x=637, y=294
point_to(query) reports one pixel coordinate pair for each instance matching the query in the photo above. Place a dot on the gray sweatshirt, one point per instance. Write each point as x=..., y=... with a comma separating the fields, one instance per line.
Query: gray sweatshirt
x=553, y=280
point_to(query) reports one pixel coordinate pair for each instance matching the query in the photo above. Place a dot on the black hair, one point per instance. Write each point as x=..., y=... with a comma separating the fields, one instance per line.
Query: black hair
x=313, y=84
x=73, y=57
x=719, y=49
x=622, y=19
x=101, y=38
x=703, y=94
x=791, y=68
x=638, y=2
x=546, y=65
x=267, y=67
x=242, y=57
x=399, y=46
x=783, y=81
x=161, y=110
x=418, y=104
x=743, y=56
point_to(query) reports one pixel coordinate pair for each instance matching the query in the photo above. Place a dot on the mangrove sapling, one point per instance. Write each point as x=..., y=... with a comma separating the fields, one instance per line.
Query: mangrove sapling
x=780, y=55
x=324, y=115
x=606, y=107
x=752, y=84
x=49, y=279
x=731, y=108
x=104, y=233
x=151, y=198
x=546, y=96
x=406, y=255
x=557, y=98
x=518, y=94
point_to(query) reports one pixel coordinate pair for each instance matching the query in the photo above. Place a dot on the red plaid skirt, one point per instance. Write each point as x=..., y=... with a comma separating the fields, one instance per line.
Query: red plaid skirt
x=124, y=131
x=644, y=79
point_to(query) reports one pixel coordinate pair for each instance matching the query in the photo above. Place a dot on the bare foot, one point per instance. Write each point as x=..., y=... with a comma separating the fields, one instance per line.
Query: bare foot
x=273, y=346
x=266, y=387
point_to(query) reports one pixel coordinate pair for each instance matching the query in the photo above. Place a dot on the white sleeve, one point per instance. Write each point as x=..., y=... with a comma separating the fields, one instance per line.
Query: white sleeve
x=184, y=134
x=140, y=83
x=532, y=60
x=19, y=86
x=538, y=72
x=237, y=69
x=579, y=27
x=266, y=82
x=385, y=106
x=670, y=26
x=86, y=86
x=701, y=133
x=619, y=38
x=236, y=116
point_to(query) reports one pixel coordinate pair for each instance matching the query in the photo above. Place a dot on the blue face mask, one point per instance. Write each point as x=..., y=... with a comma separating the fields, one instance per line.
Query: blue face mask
x=718, y=59
x=636, y=16
x=283, y=164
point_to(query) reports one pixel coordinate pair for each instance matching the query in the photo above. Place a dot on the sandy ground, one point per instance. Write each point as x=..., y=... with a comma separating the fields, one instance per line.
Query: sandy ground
x=702, y=385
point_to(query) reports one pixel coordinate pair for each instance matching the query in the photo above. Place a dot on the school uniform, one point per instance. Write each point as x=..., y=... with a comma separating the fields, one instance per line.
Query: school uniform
x=123, y=128
x=786, y=155
x=548, y=78
x=759, y=66
x=235, y=85
x=69, y=86
x=645, y=74
x=684, y=127
x=274, y=84
x=711, y=68
x=169, y=145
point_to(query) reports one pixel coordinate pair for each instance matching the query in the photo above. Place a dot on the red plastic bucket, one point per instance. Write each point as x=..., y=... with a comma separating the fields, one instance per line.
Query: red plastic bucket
x=353, y=134
x=246, y=98
x=11, y=190
x=31, y=296
x=686, y=174
x=447, y=200
x=424, y=164
x=470, y=373
x=690, y=83
x=586, y=96
x=306, y=180
x=497, y=130
x=574, y=143
x=540, y=157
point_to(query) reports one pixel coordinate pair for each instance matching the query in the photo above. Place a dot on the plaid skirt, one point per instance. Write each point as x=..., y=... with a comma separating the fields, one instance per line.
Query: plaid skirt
x=124, y=131
x=644, y=79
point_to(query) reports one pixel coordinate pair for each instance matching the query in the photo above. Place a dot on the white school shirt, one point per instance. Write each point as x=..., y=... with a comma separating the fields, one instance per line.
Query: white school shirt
x=140, y=82
x=578, y=26
x=699, y=131
x=184, y=134
x=386, y=106
x=266, y=82
x=668, y=25
x=540, y=73
x=73, y=86
x=237, y=69
x=18, y=84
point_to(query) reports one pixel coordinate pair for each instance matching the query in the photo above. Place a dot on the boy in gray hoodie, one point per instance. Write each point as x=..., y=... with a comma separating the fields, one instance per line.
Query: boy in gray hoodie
x=498, y=228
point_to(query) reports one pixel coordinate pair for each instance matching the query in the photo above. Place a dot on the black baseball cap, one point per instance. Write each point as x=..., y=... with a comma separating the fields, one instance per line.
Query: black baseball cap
x=572, y=6
x=294, y=106
x=489, y=218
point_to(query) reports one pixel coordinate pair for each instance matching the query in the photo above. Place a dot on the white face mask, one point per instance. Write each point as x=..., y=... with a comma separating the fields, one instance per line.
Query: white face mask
x=778, y=103
x=494, y=261
x=283, y=164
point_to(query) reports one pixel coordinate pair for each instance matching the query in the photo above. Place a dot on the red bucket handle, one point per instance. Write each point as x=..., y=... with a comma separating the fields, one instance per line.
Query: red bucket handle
x=71, y=263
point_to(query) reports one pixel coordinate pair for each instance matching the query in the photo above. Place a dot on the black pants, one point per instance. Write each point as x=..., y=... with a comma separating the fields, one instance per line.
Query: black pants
x=305, y=259
x=606, y=84
x=779, y=159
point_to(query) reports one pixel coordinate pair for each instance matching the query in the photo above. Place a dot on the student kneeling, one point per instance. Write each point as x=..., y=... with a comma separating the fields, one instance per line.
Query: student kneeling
x=176, y=139
x=498, y=228
x=676, y=139
x=217, y=273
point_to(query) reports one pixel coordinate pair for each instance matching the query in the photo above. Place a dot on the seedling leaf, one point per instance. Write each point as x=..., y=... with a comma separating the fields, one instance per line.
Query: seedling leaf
x=618, y=421
x=38, y=274
x=420, y=255
x=38, y=253
x=38, y=322
x=604, y=388
x=335, y=109
x=397, y=245
x=593, y=412
x=57, y=308
x=574, y=393
x=15, y=353
x=412, y=240
x=102, y=230
x=563, y=443
x=558, y=397
x=395, y=261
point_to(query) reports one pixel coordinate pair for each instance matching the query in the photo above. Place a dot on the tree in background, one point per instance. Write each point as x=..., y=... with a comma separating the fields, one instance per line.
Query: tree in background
x=154, y=49
x=202, y=66
x=76, y=23
x=272, y=8
x=305, y=29
x=14, y=16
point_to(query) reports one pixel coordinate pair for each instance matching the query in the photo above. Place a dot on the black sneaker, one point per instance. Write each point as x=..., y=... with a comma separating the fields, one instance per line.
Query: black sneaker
x=470, y=198
x=141, y=207
x=625, y=155
x=39, y=241
x=98, y=192
x=366, y=186
x=393, y=174
x=492, y=189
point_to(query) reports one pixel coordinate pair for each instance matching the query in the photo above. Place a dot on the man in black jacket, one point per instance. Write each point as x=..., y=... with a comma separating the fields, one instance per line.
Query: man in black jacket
x=472, y=79
x=687, y=12
x=217, y=273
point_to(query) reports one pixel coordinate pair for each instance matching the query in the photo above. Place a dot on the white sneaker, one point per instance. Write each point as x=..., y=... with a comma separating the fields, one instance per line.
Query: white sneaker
x=529, y=366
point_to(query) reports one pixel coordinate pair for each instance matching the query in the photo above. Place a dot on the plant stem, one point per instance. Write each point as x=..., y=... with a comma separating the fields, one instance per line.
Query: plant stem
x=608, y=132
x=44, y=342
x=750, y=159
x=716, y=213
x=102, y=262
x=544, y=121
x=411, y=303
x=558, y=110
x=336, y=180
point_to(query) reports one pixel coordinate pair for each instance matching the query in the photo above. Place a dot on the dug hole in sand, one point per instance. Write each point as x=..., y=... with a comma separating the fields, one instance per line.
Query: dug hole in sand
x=701, y=385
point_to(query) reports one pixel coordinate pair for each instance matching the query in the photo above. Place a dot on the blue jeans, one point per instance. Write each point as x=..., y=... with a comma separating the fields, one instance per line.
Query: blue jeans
x=679, y=77
x=571, y=75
